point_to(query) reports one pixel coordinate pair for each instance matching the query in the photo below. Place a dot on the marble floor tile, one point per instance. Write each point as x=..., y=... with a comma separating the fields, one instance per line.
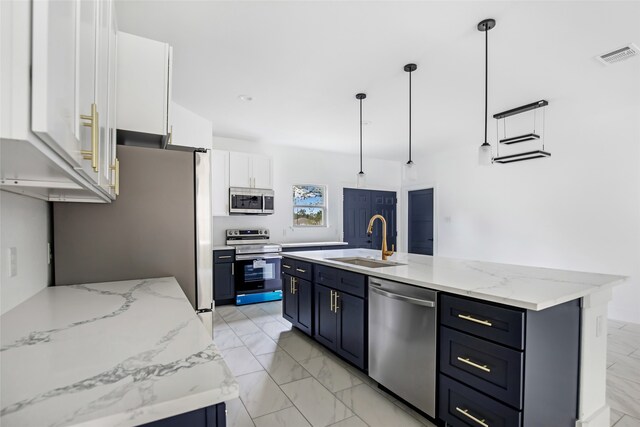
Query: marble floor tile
x=316, y=403
x=237, y=415
x=300, y=348
x=276, y=330
x=628, y=335
x=260, y=395
x=414, y=414
x=226, y=310
x=636, y=354
x=622, y=395
x=259, y=343
x=219, y=324
x=289, y=417
x=625, y=367
x=243, y=327
x=274, y=307
x=233, y=316
x=241, y=361
x=620, y=344
x=258, y=315
x=615, y=323
x=615, y=416
x=374, y=409
x=350, y=422
x=330, y=373
x=282, y=367
x=631, y=327
x=628, y=421
x=226, y=339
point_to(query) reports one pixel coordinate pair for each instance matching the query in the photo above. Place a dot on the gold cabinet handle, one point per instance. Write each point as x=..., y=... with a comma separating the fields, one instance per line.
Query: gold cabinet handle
x=92, y=122
x=295, y=282
x=224, y=257
x=291, y=285
x=466, y=413
x=473, y=319
x=116, y=169
x=331, y=301
x=286, y=266
x=335, y=304
x=474, y=364
x=299, y=270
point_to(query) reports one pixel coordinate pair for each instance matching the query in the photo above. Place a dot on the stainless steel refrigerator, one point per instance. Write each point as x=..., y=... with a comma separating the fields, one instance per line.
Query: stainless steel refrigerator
x=160, y=225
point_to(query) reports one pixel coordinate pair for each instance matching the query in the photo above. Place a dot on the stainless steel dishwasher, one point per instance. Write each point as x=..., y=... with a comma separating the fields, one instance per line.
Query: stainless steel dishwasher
x=402, y=341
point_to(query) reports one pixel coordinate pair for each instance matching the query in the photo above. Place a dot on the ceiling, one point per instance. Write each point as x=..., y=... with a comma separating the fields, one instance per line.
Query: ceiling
x=302, y=62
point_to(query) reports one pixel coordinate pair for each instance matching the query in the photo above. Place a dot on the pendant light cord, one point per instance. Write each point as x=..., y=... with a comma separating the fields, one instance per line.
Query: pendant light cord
x=486, y=80
x=361, y=136
x=409, y=162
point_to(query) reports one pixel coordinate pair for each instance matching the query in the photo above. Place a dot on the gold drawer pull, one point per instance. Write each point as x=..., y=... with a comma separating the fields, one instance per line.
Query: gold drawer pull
x=116, y=184
x=224, y=257
x=92, y=122
x=294, y=282
x=466, y=413
x=473, y=319
x=301, y=270
x=286, y=266
x=474, y=364
x=335, y=304
x=331, y=301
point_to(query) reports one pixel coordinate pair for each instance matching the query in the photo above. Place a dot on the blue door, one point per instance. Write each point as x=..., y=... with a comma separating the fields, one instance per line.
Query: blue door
x=420, y=232
x=358, y=208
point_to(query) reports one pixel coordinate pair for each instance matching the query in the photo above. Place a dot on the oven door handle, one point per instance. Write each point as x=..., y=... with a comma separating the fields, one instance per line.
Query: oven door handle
x=257, y=256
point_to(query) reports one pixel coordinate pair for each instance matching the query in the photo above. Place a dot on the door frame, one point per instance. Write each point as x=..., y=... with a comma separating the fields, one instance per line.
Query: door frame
x=404, y=220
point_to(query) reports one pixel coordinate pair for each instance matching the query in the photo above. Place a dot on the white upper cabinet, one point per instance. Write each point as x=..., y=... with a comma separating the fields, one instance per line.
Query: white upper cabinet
x=144, y=84
x=220, y=182
x=250, y=170
x=54, y=86
x=189, y=129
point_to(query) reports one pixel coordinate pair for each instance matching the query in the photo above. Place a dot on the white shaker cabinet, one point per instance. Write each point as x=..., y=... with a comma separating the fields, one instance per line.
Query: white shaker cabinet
x=250, y=170
x=220, y=182
x=189, y=129
x=144, y=84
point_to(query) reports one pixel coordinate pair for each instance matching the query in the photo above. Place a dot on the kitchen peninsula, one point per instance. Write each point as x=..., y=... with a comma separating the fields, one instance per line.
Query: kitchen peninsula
x=545, y=325
x=115, y=353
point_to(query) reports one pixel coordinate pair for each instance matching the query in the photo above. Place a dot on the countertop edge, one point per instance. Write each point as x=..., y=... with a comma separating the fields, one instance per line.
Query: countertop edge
x=446, y=288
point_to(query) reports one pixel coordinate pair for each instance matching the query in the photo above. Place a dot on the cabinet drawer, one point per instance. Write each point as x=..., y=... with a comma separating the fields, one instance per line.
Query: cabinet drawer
x=224, y=256
x=461, y=406
x=496, y=323
x=345, y=281
x=491, y=368
x=303, y=270
x=288, y=266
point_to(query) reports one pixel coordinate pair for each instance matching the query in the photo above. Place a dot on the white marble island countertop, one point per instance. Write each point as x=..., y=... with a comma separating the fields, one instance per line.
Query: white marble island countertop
x=108, y=354
x=532, y=288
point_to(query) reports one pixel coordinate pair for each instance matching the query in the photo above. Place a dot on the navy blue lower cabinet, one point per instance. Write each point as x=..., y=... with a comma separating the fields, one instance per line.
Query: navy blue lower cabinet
x=289, y=300
x=224, y=289
x=461, y=406
x=211, y=416
x=351, y=335
x=326, y=321
x=304, y=295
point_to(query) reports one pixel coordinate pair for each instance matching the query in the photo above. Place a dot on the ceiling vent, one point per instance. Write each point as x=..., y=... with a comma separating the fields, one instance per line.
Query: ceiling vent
x=619, y=55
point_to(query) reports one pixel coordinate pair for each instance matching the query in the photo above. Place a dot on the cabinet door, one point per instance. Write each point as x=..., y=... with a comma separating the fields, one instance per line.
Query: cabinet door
x=289, y=300
x=220, y=183
x=54, y=117
x=326, y=324
x=223, y=281
x=304, y=293
x=111, y=94
x=261, y=171
x=240, y=170
x=352, y=335
x=102, y=92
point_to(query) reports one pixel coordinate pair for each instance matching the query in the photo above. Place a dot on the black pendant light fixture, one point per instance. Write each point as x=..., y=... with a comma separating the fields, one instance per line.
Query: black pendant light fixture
x=409, y=169
x=484, y=153
x=361, y=176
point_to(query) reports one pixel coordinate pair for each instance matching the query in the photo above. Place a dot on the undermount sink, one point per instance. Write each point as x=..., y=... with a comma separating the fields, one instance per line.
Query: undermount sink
x=366, y=262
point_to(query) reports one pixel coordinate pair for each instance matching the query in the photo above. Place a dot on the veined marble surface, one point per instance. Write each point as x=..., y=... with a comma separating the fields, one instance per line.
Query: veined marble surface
x=311, y=244
x=108, y=354
x=533, y=288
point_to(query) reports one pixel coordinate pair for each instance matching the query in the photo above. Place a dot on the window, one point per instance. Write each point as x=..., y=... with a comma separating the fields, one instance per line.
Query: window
x=309, y=206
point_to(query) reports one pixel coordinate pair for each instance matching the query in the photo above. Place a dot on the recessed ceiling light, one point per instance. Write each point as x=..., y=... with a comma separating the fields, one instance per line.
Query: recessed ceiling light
x=245, y=98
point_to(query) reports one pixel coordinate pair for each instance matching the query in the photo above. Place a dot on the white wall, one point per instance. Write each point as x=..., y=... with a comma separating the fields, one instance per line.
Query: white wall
x=301, y=166
x=578, y=210
x=24, y=224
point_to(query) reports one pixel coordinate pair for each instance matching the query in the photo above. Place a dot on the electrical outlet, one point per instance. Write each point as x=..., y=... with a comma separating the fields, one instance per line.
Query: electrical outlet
x=13, y=261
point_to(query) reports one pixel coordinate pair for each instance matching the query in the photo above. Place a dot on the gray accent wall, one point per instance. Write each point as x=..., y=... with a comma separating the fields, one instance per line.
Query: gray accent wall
x=148, y=231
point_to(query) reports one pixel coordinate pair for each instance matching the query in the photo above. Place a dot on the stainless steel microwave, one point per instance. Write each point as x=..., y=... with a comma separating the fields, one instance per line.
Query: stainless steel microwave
x=250, y=201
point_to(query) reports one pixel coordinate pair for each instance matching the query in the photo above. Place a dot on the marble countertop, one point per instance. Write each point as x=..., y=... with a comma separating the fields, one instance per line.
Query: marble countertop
x=310, y=244
x=108, y=354
x=224, y=248
x=533, y=288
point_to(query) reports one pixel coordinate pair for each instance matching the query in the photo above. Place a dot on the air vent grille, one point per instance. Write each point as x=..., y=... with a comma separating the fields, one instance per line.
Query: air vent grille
x=619, y=55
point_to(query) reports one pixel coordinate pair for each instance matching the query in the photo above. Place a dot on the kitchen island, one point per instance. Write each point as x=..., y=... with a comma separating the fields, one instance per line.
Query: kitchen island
x=541, y=325
x=115, y=353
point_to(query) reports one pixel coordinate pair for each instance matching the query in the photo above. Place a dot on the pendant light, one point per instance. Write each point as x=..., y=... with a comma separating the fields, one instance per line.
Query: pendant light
x=361, y=176
x=410, y=171
x=484, y=153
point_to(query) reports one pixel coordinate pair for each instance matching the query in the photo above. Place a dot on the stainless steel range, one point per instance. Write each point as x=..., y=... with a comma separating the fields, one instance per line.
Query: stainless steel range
x=257, y=266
